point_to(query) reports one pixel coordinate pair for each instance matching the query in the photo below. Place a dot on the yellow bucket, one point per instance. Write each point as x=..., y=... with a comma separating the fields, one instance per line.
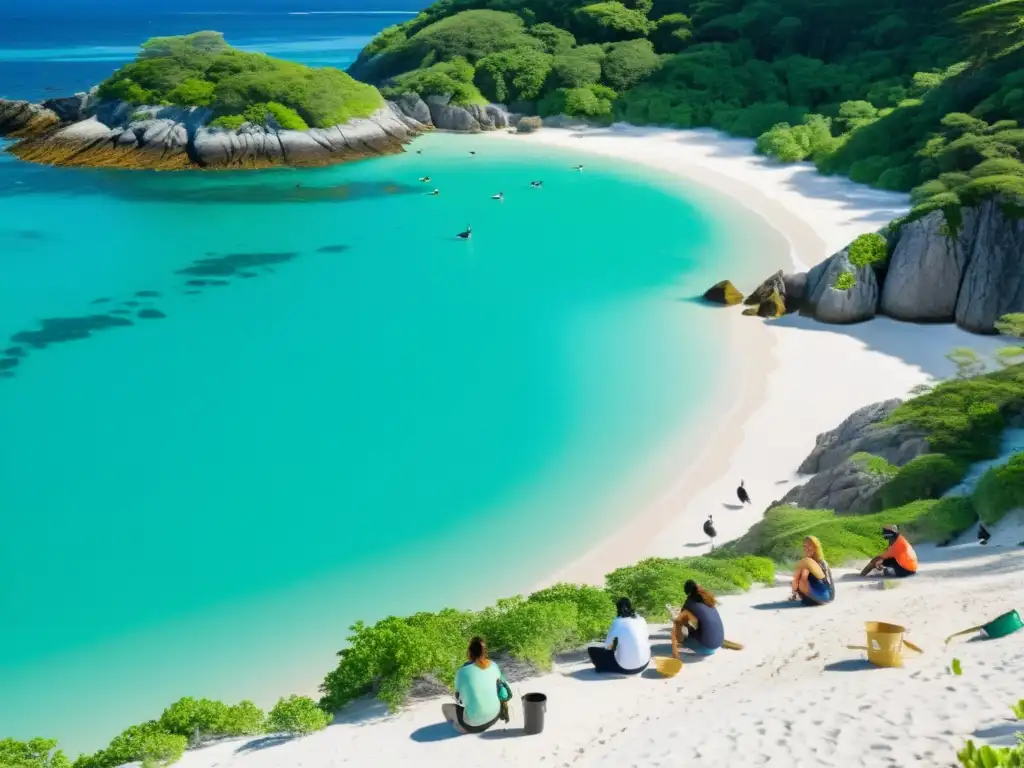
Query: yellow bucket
x=885, y=644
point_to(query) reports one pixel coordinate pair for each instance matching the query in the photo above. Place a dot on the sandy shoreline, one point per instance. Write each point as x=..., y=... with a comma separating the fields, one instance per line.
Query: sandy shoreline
x=810, y=375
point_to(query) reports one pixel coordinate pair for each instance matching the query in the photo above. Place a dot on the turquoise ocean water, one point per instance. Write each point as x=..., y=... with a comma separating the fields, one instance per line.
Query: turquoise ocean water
x=256, y=407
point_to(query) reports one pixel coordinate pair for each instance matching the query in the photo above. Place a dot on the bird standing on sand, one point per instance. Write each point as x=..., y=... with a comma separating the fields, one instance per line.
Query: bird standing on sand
x=741, y=492
x=983, y=534
x=424, y=179
x=709, y=531
x=467, y=234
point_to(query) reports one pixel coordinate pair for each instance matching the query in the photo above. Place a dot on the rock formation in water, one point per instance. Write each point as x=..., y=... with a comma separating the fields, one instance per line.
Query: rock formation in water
x=970, y=271
x=82, y=131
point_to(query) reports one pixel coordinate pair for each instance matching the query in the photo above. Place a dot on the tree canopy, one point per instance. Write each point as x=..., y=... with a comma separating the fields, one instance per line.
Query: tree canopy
x=202, y=70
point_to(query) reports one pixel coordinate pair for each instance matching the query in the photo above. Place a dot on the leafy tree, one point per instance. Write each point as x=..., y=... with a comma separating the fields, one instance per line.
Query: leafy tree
x=34, y=753
x=192, y=92
x=513, y=75
x=473, y=34
x=628, y=63
x=994, y=27
x=556, y=41
x=609, y=21
x=297, y=715
x=672, y=32
x=577, y=68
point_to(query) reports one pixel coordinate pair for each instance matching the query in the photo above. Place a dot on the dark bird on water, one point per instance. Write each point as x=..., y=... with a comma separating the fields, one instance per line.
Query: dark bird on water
x=424, y=179
x=467, y=234
x=536, y=184
x=983, y=534
x=709, y=530
x=741, y=492
x=472, y=152
x=435, y=193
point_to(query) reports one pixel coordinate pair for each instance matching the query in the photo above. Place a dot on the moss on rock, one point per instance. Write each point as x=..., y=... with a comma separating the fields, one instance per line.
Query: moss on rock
x=723, y=293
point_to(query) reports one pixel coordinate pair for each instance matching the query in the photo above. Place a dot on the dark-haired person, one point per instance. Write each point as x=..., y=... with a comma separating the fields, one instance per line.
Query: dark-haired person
x=477, y=705
x=698, y=625
x=627, y=650
x=899, y=560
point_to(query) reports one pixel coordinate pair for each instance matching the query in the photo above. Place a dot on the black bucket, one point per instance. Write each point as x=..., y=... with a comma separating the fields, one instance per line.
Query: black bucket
x=534, y=707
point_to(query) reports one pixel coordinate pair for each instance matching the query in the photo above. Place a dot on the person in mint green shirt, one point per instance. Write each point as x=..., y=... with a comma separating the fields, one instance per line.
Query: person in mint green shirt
x=476, y=706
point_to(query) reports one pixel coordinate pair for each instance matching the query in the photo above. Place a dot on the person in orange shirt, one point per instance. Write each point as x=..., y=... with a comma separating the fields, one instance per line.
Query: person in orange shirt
x=898, y=560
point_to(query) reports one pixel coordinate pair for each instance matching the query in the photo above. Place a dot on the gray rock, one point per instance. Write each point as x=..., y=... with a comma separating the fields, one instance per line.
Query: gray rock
x=865, y=430
x=925, y=270
x=22, y=119
x=412, y=106
x=528, y=124
x=846, y=488
x=565, y=121
x=993, y=283
x=482, y=116
x=498, y=115
x=796, y=287
x=451, y=118
x=831, y=305
x=69, y=109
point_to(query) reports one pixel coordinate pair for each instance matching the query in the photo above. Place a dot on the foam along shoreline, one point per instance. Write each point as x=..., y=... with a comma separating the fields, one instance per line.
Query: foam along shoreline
x=797, y=379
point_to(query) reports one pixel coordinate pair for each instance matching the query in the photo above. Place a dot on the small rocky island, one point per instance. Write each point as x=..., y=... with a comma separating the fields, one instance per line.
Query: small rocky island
x=193, y=101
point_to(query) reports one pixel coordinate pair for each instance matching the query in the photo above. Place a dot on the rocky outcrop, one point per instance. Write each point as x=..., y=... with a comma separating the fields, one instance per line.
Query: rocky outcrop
x=925, y=271
x=528, y=124
x=723, y=293
x=413, y=107
x=841, y=305
x=993, y=283
x=120, y=135
x=865, y=430
x=970, y=270
x=21, y=119
x=848, y=485
x=849, y=488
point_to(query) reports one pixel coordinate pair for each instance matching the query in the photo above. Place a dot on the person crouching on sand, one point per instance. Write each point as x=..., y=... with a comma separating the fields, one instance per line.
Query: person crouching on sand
x=698, y=625
x=477, y=684
x=812, y=579
x=627, y=650
x=898, y=561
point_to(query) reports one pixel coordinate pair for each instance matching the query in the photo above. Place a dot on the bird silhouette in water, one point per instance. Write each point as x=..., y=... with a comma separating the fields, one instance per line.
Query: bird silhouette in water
x=467, y=234
x=579, y=168
x=424, y=179
x=536, y=184
x=983, y=534
x=435, y=193
x=419, y=151
x=472, y=152
x=741, y=492
x=710, y=532
x=499, y=196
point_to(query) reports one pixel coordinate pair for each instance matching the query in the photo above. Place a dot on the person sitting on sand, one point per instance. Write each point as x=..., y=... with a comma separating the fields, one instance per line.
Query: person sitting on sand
x=477, y=706
x=627, y=650
x=698, y=625
x=812, y=580
x=899, y=560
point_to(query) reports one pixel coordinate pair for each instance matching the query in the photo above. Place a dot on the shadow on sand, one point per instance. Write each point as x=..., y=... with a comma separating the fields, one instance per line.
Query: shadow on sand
x=436, y=732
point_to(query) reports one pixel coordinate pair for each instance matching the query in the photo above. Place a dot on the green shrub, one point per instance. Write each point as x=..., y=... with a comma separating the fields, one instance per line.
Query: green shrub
x=203, y=718
x=964, y=418
x=578, y=102
x=286, y=117
x=652, y=583
x=845, y=281
x=513, y=75
x=555, y=40
x=35, y=753
x=792, y=143
x=161, y=749
x=925, y=477
x=595, y=608
x=229, y=122
x=472, y=35
x=577, y=68
x=192, y=92
x=1000, y=490
x=869, y=250
x=449, y=78
x=876, y=465
x=297, y=715
x=531, y=631
x=780, y=534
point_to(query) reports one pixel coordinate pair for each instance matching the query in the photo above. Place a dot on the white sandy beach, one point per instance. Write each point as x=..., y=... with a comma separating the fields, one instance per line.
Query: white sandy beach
x=796, y=695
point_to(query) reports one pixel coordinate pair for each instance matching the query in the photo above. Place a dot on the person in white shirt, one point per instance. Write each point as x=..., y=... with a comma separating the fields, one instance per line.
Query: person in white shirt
x=627, y=651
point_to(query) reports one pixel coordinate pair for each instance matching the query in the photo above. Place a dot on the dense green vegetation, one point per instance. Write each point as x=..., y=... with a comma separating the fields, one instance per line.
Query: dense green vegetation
x=964, y=418
x=900, y=94
x=876, y=465
x=1000, y=489
x=202, y=70
x=925, y=477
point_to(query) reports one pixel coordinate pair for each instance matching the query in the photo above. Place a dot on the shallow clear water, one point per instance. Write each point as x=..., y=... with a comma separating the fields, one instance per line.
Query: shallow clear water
x=201, y=502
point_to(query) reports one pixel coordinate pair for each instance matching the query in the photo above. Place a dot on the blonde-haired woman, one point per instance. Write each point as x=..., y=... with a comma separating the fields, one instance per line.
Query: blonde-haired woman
x=812, y=579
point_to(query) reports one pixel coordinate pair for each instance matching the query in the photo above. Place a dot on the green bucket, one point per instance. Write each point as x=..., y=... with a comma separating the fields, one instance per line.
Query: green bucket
x=1001, y=626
